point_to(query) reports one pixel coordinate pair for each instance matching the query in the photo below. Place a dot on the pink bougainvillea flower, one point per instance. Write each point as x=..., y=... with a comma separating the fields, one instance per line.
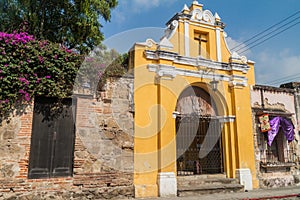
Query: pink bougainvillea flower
x=27, y=97
x=41, y=59
x=24, y=80
x=48, y=76
x=68, y=51
x=22, y=91
x=15, y=37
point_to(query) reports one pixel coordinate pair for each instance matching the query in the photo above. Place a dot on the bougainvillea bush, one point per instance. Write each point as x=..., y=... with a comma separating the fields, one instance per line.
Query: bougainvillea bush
x=29, y=67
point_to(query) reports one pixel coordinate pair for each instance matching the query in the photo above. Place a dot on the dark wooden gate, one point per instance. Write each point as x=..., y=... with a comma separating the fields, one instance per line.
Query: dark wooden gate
x=198, y=142
x=52, y=141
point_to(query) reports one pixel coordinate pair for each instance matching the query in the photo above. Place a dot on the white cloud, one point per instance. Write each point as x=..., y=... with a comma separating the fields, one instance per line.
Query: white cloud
x=146, y=3
x=271, y=68
x=277, y=68
x=234, y=45
x=130, y=8
x=138, y=6
x=119, y=16
x=123, y=41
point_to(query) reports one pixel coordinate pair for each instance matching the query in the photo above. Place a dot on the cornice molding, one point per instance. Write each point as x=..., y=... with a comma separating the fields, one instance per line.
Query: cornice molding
x=168, y=72
x=196, y=62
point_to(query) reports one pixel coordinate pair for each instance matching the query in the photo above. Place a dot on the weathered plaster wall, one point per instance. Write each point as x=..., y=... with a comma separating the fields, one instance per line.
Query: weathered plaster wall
x=297, y=102
x=296, y=87
x=103, y=153
x=281, y=100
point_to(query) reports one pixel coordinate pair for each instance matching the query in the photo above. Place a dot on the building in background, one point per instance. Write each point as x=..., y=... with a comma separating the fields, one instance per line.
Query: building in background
x=276, y=138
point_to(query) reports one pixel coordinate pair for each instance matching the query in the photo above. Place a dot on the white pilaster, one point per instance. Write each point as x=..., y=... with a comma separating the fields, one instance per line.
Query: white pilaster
x=167, y=184
x=218, y=38
x=245, y=178
x=186, y=39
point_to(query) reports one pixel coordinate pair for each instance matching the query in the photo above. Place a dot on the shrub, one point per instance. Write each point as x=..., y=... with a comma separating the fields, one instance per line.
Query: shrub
x=29, y=67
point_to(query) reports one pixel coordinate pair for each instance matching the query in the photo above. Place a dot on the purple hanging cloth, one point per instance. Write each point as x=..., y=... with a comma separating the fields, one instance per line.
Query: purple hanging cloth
x=274, y=123
x=288, y=129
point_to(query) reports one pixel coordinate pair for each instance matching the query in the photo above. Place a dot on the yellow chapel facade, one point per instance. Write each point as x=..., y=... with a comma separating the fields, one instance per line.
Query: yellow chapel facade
x=192, y=106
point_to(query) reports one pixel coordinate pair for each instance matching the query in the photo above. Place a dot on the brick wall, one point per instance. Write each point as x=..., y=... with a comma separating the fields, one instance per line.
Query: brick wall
x=103, y=152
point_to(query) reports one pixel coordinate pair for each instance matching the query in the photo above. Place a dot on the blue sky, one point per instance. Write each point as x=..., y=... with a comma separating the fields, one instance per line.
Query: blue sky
x=277, y=60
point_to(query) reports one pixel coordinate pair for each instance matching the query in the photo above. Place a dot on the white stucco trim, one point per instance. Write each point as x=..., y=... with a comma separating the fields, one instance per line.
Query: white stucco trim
x=185, y=8
x=168, y=72
x=239, y=67
x=149, y=43
x=165, y=43
x=186, y=38
x=203, y=16
x=167, y=184
x=196, y=62
x=227, y=119
x=218, y=42
x=226, y=43
x=172, y=28
x=245, y=178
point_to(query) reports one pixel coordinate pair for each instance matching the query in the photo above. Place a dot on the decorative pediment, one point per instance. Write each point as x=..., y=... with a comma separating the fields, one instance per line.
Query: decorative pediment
x=205, y=16
x=194, y=13
x=209, y=17
x=149, y=43
x=235, y=57
x=197, y=14
x=171, y=29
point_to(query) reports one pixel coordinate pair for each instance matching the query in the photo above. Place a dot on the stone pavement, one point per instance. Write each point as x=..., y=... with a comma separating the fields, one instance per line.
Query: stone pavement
x=288, y=193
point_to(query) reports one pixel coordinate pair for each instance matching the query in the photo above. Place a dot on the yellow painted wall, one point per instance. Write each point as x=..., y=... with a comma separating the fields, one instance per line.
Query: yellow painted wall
x=155, y=100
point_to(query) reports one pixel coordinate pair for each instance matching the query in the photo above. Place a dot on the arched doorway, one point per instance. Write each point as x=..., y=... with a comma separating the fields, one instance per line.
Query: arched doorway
x=198, y=134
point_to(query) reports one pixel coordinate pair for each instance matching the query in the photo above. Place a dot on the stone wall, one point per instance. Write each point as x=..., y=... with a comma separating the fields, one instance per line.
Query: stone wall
x=103, y=152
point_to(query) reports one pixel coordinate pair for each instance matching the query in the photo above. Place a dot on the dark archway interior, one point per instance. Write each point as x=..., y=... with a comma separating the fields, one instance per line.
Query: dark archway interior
x=198, y=134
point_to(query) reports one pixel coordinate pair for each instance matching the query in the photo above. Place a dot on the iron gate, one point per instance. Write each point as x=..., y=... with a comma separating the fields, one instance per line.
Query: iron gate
x=198, y=140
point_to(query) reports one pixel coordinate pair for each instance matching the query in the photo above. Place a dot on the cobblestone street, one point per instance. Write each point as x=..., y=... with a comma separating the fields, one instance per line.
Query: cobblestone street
x=287, y=193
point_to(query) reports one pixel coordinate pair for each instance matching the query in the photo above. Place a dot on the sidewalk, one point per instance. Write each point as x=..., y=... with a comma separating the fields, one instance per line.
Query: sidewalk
x=288, y=193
